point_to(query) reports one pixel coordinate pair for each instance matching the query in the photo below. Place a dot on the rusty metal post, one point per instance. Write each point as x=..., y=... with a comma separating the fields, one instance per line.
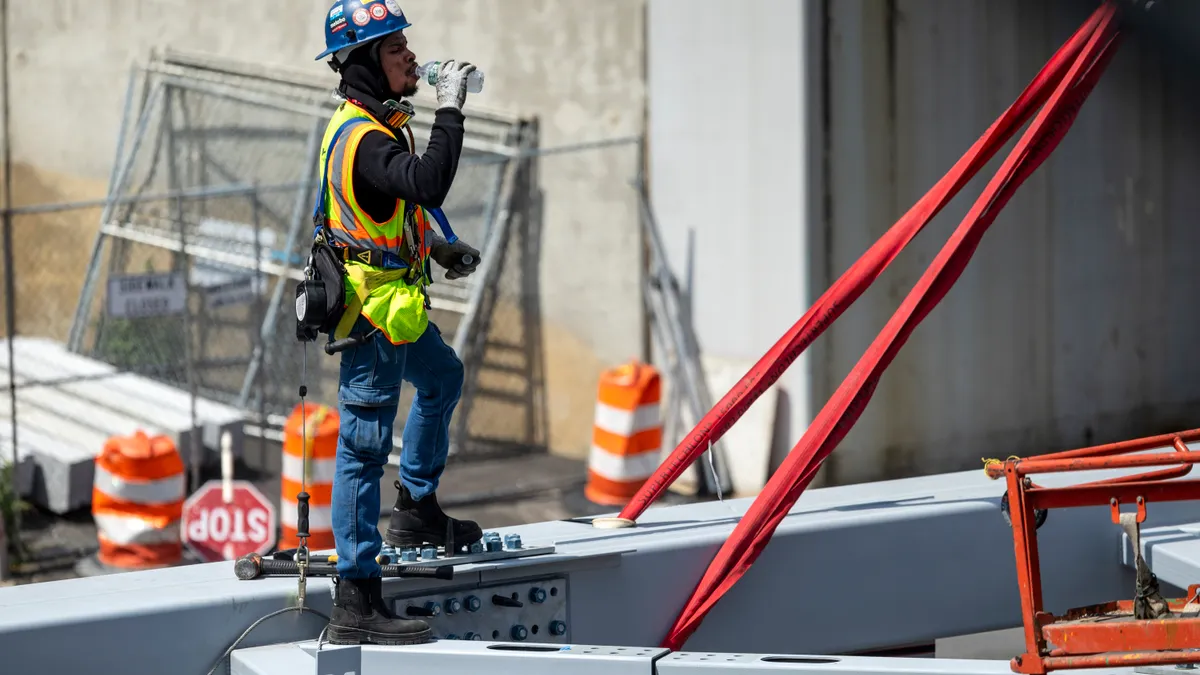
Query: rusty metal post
x=1029, y=584
x=1080, y=639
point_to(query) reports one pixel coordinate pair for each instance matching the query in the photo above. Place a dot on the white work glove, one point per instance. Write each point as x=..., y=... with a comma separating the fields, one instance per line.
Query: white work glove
x=452, y=84
x=454, y=258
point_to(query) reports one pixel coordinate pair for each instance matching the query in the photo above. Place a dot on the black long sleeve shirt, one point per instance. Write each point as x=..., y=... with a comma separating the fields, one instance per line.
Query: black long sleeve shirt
x=385, y=170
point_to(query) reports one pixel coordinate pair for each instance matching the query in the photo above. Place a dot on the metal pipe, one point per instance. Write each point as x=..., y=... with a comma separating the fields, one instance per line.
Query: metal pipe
x=84, y=307
x=311, y=155
x=699, y=395
x=1163, y=474
x=10, y=313
x=260, y=287
x=1031, y=466
x=208, y=192
x=1124, y=493
x=286, y=105
x=205, y=253
x=1120, y=660
x=497, y=222
x=996, y=469
x=553, y=150
x=173, y=181
x=496, y=231
x=244, y=96
x=184, y=64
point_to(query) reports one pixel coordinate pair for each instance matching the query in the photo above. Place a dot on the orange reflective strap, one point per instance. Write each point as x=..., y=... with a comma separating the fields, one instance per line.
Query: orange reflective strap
x=422, y=227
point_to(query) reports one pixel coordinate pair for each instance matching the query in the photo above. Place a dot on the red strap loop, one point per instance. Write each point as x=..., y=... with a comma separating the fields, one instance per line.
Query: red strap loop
x=1064, y=83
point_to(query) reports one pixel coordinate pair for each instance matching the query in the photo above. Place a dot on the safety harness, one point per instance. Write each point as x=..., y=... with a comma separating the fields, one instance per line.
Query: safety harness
x=321, y=298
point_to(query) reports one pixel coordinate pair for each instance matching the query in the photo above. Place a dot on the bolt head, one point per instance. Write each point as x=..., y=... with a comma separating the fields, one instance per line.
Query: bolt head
x=429, y=553
x=537, y=595
x=433, y=607
x=477, y=547
x=558, y=628
x=408, y=555
x=453, y=606
x=519, y=632
x=473, y=604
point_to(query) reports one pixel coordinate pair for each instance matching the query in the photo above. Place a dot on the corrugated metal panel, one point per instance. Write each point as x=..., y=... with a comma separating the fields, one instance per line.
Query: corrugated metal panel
x=1072, y=323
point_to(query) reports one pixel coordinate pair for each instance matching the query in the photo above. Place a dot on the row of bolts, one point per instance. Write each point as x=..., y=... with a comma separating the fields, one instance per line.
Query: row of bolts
x=491, y=543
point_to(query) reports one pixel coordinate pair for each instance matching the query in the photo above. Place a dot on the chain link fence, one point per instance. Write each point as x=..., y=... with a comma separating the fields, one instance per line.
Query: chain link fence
x=207, y=127
x=189, y=276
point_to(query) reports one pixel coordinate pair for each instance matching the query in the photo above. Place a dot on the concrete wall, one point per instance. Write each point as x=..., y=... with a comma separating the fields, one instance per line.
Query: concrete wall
x=731, y=172
x=1071, y=325
x=576, y=66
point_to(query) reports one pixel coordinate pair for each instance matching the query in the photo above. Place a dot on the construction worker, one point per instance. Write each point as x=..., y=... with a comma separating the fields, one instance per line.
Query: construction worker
x=376, y=198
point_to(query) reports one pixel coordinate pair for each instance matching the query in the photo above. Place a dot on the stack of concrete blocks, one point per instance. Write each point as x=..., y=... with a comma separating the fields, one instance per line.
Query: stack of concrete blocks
x=61, y=427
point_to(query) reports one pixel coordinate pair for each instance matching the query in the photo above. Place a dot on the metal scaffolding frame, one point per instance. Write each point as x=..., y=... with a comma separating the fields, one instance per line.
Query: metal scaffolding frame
x=205, y=138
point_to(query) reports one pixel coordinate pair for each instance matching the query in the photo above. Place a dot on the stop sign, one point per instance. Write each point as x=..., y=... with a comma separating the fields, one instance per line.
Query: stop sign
x=216, y=530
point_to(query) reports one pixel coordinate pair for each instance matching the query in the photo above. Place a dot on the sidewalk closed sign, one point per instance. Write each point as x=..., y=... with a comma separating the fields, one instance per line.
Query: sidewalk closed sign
x=140, y=295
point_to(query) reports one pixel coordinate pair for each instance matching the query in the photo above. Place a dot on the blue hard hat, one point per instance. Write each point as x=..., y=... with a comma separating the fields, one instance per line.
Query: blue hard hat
x=354, y=22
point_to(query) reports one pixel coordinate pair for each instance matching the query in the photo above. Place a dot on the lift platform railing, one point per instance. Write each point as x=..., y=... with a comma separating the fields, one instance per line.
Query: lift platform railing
x=1148, y=630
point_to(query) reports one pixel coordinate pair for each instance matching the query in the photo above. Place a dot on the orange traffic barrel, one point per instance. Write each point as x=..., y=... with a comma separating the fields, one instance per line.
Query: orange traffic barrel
x=137, y=502
x=318, y=425
x=626, y=435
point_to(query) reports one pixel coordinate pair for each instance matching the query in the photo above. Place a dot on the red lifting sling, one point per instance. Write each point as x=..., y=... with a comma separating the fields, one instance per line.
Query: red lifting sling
x=1062, y=85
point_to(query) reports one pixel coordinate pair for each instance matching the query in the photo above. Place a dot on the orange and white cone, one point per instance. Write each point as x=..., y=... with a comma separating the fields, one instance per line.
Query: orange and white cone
x=627, y=433
x=137, y=502
x=322, y=436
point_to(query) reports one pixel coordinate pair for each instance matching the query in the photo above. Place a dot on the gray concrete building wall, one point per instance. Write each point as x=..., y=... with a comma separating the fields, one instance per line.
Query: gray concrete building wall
x=1072, y=323
x=789, y=136
x=577, y=66
x=732, y=173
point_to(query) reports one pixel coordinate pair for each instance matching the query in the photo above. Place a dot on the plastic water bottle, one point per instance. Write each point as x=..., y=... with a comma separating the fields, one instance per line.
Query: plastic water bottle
x=429, y=72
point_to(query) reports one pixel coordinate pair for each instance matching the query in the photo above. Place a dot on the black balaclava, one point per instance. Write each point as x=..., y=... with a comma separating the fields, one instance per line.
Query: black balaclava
x=363, y=77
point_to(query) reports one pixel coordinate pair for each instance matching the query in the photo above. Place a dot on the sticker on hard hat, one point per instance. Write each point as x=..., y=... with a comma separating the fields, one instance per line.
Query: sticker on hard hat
x=335, y=12
x=394, y=7
x=339, y=24
x=361, y=17
x=378, y=12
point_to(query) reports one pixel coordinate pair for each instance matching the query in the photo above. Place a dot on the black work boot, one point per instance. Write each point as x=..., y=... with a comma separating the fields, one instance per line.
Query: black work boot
x=417, y=523
x=361, y=616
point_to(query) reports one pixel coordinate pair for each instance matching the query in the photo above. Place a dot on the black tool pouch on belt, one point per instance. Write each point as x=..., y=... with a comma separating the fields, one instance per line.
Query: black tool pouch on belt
x=320, y=298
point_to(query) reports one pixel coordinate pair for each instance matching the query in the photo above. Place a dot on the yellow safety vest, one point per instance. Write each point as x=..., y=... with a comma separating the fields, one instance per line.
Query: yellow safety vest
x=393, y=300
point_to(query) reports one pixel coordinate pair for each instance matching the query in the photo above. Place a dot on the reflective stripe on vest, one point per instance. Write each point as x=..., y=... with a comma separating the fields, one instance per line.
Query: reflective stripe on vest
x=348, y=223
x=394, y=301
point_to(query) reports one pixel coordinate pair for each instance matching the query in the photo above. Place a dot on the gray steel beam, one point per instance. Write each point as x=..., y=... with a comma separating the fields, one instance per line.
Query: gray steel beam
x=851, y=569
x=505, y=658
x=1172, y=553
x=285, y=659
x=706, y=663
x=462, y=656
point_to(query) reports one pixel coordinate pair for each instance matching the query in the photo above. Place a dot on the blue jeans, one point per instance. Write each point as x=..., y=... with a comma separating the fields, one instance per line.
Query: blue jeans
x=368, y=399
